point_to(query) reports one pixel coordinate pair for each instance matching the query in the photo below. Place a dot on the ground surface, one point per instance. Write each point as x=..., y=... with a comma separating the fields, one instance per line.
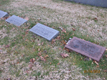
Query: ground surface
x=18, y=46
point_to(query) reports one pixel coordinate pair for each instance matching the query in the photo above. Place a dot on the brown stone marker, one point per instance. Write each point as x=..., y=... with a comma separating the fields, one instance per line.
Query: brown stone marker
x=86, y=48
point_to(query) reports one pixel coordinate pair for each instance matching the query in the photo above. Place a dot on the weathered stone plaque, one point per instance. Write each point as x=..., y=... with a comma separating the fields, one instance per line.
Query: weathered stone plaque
x=100, y=3
x=3, y=14
x=17, y=21
x=86, y=48
x=44, y=31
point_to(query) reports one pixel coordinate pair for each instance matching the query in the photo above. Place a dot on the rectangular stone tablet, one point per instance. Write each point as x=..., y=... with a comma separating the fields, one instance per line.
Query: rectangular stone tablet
x=3, y=14
x=86, y=48
x=17, y=21
x=44, y=31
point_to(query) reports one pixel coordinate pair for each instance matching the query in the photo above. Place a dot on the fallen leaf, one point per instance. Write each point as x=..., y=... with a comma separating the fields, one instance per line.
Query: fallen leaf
x=53, y=40
x=26, y=40
x=30, y=66
x=32, y=60
x=26, y=18
x=105, y=70
x=76, y=53
x=27, y=31
x=72, y=25
x=17, y=62
x=106, y=50
x=39, y=19
x=0, y=48
x=46, y=56
x=39, y=54
x=38, y=49
x=81, y=59
x=45, y=51
x=42, y=58
x=96, y=63
x=44, y=7
x=27, y=71
x=97, y=66
x=13, y=28
x=33, y=40
x=7, y=46
x=63, y=42
x=58, y=64
x=106, y=56
x=67, y=50
x=59, y=48
x=64, y=30
x=58, y=37
x=42, y=43
x=64, y=55
x=73, y=29
x=95, y=19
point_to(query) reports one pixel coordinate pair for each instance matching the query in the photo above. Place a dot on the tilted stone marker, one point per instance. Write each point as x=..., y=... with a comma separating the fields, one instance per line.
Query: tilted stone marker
x=3, y=14
x=86, y=48
x=44, y=31
x=17, y=21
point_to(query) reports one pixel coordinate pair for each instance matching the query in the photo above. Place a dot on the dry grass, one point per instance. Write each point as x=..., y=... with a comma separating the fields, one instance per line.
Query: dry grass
x=81, y=16
x=87, y=20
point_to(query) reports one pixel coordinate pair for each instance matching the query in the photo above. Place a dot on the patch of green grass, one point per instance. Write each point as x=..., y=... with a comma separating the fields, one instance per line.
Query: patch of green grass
x=63, y=0
x=18, y=73
x=37, y=74
x=58, y=0
x=30, y=43
x=5, y=41
x=27, y=59
x=1, y=27
x=0, y=72
x=31, y=25
x=3, y=2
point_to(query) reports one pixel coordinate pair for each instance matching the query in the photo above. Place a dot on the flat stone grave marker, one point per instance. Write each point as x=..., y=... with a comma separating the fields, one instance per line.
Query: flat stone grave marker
x=86, y=48
x=17, y=21
x=3, y=14
x=44, y=31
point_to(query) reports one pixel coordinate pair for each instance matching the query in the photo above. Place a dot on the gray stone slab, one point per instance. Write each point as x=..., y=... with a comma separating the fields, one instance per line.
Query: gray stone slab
x=17, y=21
x=100, y=3
x=3, y=14
x=44, y=31
x=86, y=48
